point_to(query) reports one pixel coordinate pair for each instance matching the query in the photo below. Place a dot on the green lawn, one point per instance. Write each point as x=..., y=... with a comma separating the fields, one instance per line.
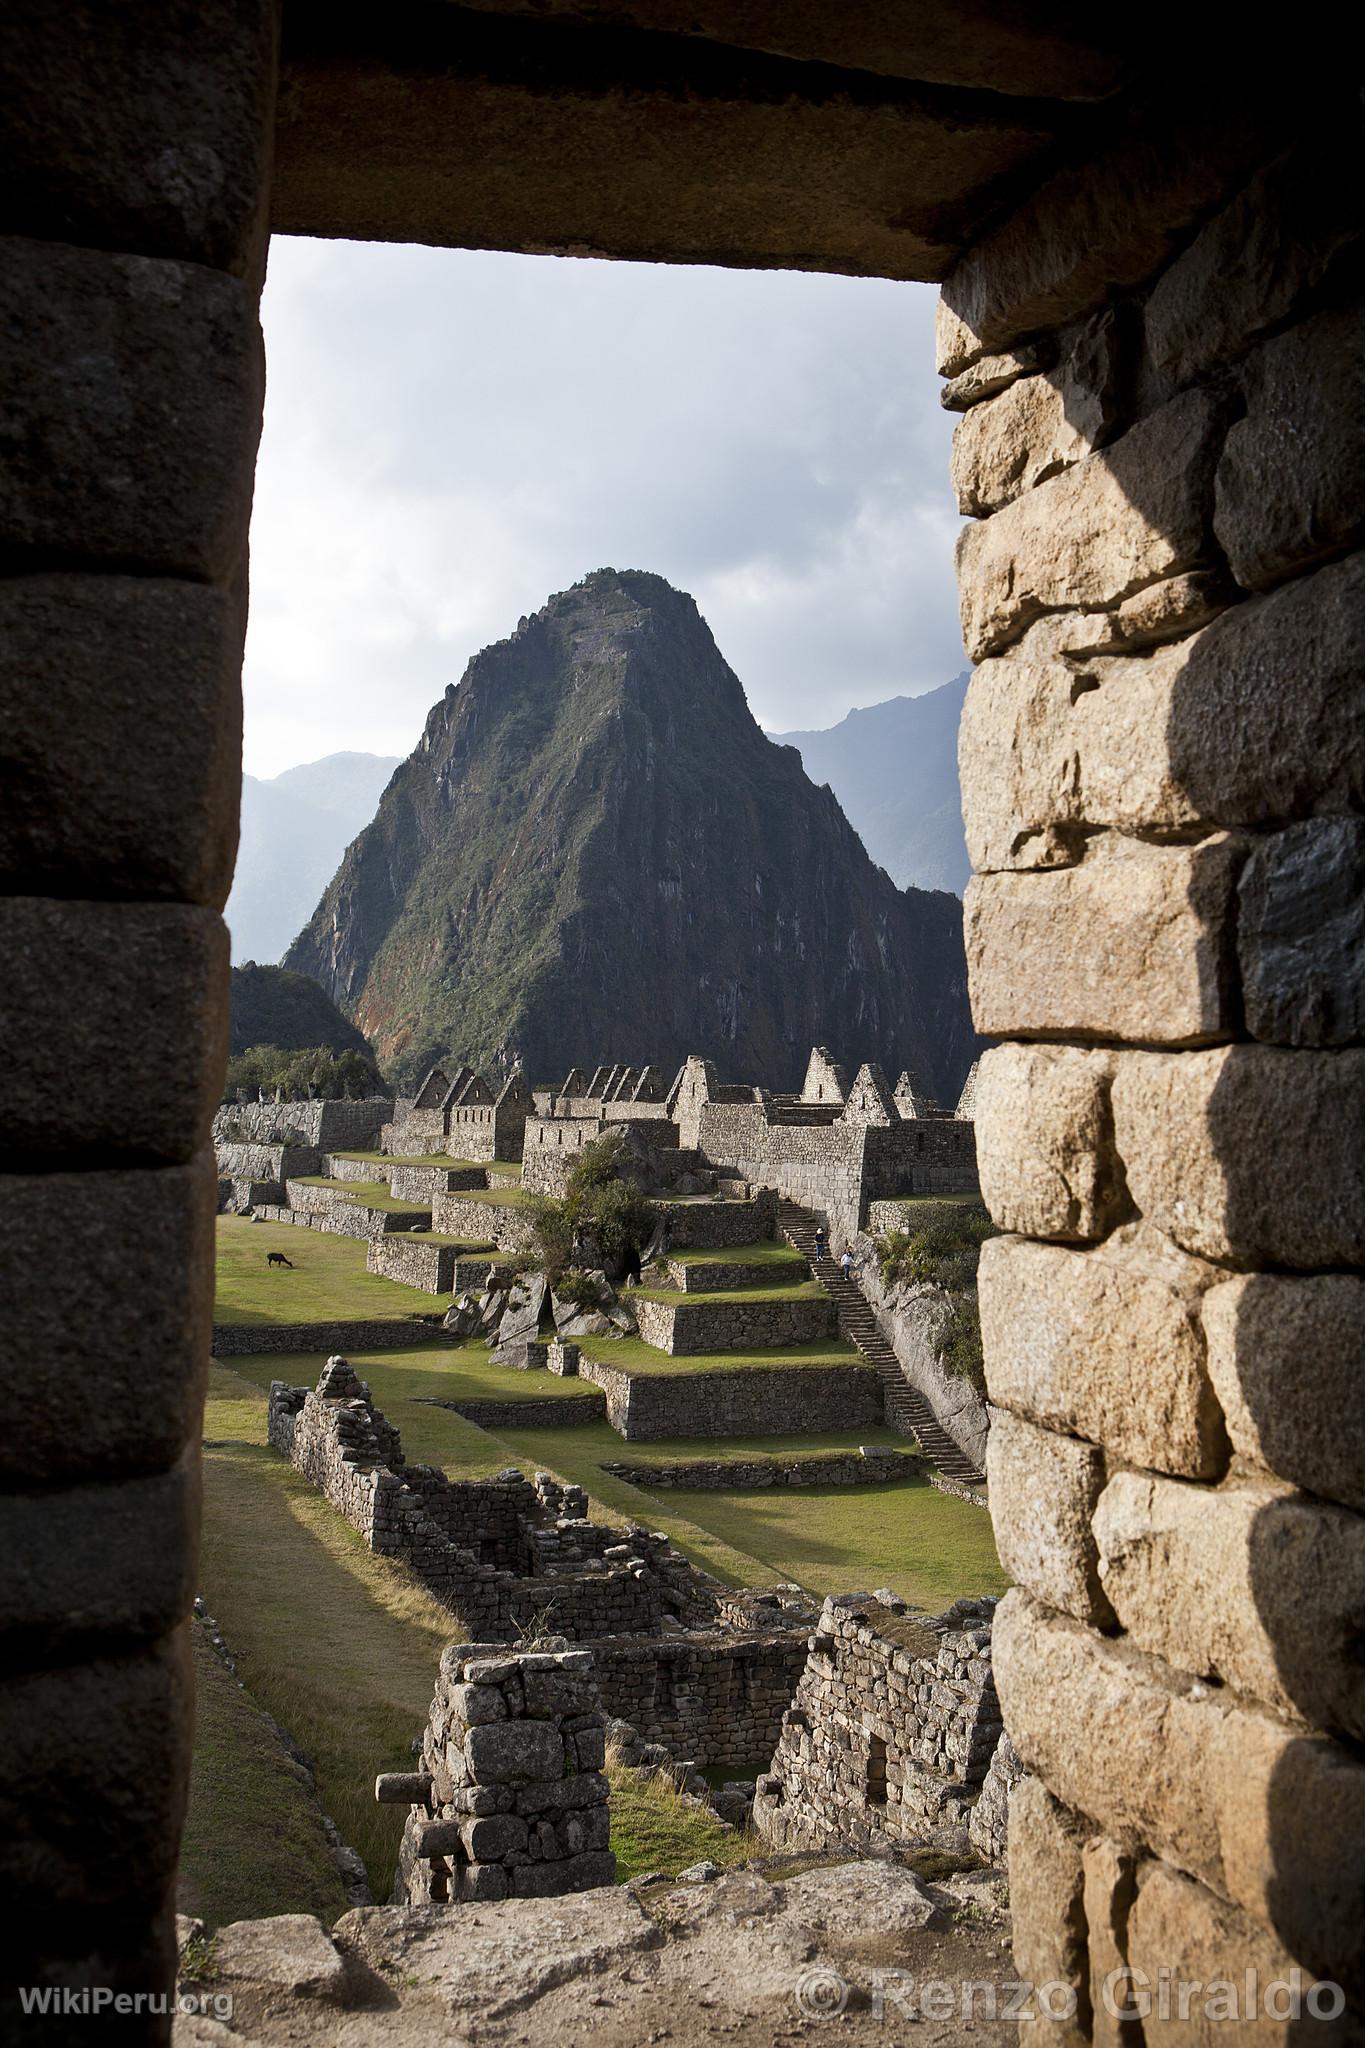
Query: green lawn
x=253, y=1842
x=497, y=1198
x=633, y=1355
x=328, y=1283
x=775, y=1290
x=339, y=1645
x=769, y=1252
x=366, y=1194
x=925, y=1545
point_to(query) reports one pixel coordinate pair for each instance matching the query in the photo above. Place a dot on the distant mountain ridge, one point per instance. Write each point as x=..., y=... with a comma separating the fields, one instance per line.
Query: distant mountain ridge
x=594, y=853
x=295, y=828
x=273, y=1007
x=893, y=767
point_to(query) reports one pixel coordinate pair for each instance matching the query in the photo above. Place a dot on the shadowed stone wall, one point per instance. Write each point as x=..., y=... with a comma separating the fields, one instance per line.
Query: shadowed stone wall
x=1163, y=755
x=134, y=146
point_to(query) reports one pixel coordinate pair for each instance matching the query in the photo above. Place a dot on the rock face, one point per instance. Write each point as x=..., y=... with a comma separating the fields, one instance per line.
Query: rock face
x=915, y=1318
x=594, y=838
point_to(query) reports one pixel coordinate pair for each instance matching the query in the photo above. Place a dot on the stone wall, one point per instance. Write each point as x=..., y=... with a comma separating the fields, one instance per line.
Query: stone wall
x=751, y=1400
x=891, y=1732
x=505, y=1222
x=321, y=1125
x=511, y=1797
x=835, y=1168
x=553, y=1143
x=399, y=1333
x=416, y=1261
x=504, y=1556
x=259, y=1161
x=716, y=1700
x=702, y=1225
x=1161, y=759
x=706, y=1325
x=872, y=1465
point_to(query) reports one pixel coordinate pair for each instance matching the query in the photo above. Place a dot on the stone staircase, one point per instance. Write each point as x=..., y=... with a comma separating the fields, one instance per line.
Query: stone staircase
x=906, y=1408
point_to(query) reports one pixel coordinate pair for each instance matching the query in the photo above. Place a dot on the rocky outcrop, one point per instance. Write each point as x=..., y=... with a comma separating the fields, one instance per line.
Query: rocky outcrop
x=915, y=1320
x=592, y=836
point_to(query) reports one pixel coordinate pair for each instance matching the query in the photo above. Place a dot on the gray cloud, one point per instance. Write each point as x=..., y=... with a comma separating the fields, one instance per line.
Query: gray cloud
x=451, y=436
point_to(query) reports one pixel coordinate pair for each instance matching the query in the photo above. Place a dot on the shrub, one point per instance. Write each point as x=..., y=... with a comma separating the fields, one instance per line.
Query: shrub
x=942, y=1249
x=300, y=1073
x=599, y=1209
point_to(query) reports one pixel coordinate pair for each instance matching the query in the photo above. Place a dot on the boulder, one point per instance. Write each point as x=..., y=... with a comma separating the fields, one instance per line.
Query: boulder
x=463, y=1318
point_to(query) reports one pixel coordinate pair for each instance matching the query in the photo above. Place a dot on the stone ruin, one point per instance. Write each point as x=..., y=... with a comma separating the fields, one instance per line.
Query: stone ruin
x=892, y=1731
x=460, y=1113
x=504, y=1554
x=840, y=1143
x=510, y=1800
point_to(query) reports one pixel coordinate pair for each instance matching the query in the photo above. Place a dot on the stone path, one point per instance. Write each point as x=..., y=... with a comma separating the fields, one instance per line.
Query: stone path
x=906, y=1408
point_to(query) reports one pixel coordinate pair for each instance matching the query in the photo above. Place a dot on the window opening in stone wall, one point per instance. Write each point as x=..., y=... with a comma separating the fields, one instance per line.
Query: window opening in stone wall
x=876, y=1771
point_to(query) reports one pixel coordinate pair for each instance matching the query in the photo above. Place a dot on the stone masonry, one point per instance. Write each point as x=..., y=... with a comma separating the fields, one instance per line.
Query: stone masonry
x=510, y=1800
x=502, y=1555
x=891, y=1732
x=1163, y=759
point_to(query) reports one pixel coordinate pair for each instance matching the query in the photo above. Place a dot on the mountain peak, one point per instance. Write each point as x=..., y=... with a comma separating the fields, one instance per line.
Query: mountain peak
x=594, y=850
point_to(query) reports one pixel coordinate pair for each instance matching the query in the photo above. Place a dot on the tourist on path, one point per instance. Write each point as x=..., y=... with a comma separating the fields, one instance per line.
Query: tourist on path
x=846, y=1263
x=821, y=1243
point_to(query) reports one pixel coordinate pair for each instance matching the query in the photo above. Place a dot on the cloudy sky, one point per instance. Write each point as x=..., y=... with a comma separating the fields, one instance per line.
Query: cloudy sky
x=451, y=436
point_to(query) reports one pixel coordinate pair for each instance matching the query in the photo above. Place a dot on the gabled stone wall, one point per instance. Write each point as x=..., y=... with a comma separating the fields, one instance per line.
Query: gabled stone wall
x=891, y=1732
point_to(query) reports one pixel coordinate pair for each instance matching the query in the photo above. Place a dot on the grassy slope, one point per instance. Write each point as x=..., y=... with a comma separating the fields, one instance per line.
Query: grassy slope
x=329, y=1282
x=653, y=1829
x=632, y=1354
x=340, y=1646
x=253, y=1842
x=744, y=1297
x=766, y=1253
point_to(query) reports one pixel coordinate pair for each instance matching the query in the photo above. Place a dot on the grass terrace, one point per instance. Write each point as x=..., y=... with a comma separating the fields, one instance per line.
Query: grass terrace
x=510, y=1167
x=366, y=1194
x=768, y=1252
x=793, y=1290
x=902, y=1533
x=328, y=1284
x=632, y=1354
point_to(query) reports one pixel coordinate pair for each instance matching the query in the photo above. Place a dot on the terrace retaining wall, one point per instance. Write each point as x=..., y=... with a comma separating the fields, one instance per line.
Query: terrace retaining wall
x=234, y=1340
x=506, y=1223
x=751, y=1400
x=871, y=1467
x=689, y=1328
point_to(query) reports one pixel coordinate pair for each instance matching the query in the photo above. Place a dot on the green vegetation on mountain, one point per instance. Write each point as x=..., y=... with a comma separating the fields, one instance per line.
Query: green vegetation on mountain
x=272, y=1007
x=594, y=851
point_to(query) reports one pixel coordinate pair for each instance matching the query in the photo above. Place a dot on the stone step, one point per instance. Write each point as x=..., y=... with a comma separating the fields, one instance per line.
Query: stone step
x=906, y=1409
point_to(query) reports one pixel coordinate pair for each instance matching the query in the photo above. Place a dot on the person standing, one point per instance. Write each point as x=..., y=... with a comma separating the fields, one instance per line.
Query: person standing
x=821, y=1242
x=846, y=1264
